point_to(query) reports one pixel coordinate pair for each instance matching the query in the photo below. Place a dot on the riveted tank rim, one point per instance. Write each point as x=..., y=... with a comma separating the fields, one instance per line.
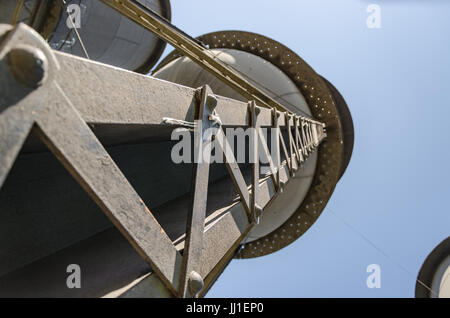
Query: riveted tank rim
x=348, y=130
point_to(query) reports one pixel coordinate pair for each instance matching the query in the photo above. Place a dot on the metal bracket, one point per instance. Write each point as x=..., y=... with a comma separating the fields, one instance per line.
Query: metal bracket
x=285, y=152
x=254, y=111
x=298, y=139
x=196, y=215
x=292, y=145
x=206, y=118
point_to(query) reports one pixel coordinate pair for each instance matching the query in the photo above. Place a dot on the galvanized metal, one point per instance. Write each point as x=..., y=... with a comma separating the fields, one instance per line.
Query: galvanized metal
x=15, y=16
x=199, y=54
x=131, y=46
x=70, y=98
x=254, y=112
x=196, y=217
x=71, y=140
x=234, y=171
x=323, y=106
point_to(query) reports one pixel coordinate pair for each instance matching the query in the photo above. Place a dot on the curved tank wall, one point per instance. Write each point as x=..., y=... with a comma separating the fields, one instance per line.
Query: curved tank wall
x=108, y=36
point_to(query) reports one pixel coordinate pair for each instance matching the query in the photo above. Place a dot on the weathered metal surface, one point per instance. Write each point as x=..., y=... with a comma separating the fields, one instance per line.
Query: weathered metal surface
x=61, y=116
x=199, y=54
x=70, y=139
x=108, y=95
x=17, y=10
x=293, y=149
x=114, y=40
x=41, y=15
x=197, y=213
x=285, y=152
x=41, y=196
x=75, y=145
x=12, y=91
x=254, y=144
x=323, y=107
x=223, y=234
x=298, y=140
x=148, y=286
x=107, y=261
x=195, y=224
x=234, y=170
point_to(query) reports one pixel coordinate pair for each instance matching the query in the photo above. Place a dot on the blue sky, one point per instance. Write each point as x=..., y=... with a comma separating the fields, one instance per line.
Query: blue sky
x=396, y=82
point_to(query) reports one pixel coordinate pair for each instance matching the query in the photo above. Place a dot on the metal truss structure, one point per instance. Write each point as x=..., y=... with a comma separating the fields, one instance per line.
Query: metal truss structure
x=59, y=97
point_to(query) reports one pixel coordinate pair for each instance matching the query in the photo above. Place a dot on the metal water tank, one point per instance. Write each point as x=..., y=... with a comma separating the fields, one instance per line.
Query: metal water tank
x=257, y=58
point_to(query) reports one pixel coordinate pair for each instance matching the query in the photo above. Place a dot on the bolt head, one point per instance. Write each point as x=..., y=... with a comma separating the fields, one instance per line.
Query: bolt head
x=195, y=283
x=282, y=186
x=211, y=101
x=258, y=213
x=29, y=65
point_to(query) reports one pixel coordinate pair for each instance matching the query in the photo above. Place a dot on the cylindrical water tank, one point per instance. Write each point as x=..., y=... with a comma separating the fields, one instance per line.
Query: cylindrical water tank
x=108, y=36
x=275, y=83
x=433, y=280
x=258, y=59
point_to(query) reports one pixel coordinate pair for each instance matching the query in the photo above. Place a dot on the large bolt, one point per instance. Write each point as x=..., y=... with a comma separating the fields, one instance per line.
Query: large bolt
x=211, y=101
x=258, y=213
x=28, y=65
x=195, y=283
x=282, y=186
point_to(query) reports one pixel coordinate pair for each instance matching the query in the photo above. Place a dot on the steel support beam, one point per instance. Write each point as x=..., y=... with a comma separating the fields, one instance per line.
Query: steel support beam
x=61, y=95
